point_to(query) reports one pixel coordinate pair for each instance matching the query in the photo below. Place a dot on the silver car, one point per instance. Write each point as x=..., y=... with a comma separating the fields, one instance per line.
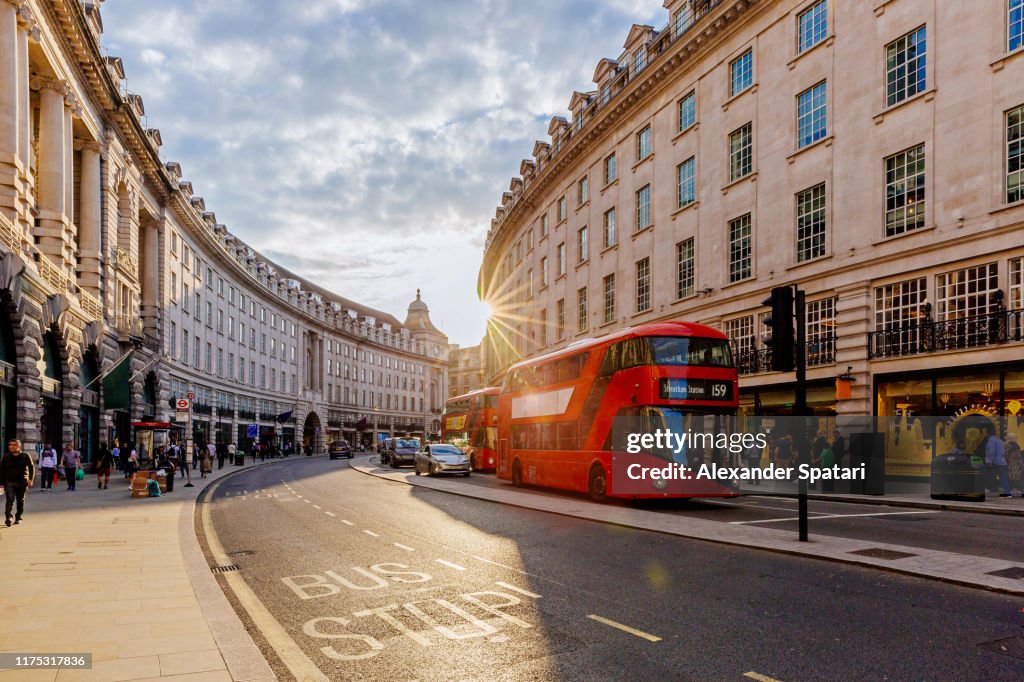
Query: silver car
x=441, y=458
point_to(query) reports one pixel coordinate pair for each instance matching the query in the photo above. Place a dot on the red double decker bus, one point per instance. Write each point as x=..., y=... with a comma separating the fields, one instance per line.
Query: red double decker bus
x=470, y=422
x=556, y=412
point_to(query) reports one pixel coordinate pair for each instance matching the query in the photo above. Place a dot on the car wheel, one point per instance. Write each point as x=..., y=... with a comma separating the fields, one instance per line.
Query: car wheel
x=465, y=475
x=433, y=470
x=394, y=464
x=597, y=484
x=416, y=467
x=517, y=474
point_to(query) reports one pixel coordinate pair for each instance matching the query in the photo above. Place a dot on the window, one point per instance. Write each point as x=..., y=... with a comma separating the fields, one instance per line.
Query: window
x=231, y=366
x=209, y=313
x=741, y=152
x=741, y=334
x=184, y=347
x=811, y=115
x=643, y=207
x=582, y=248
x=640, y=59
x=209, y=357
x=741, y=73
x=241, y=370
x=813, y=24
x=643, y=285
x=904, y=191
x=197, y=355
x=560, y=312
x=685, y=186
x=810, y=223
x=173, y=338
x=220, y=321
x=609, y=227
x=561, y=208
x=581, y=310
x=684, y=268
x=220, y=362
x=900, y=304
x=582, y=192
x=1015, y=24
x=544, y=272
x=174, y=243
x=529, y=280
x=682, y=20
x=186, y=297
x=687, y=111
x=609, y=298
x=561, y=259
x=643, y=144
x=544, y=327
x=905, y=66
x=529, y=240
x=740, y=251
x=544, y=225
x=174, y=287
x=966, y=292
x=199, y=305
x=821, y=330
x=1015, y=154
x=609, y=169
x=209, y=278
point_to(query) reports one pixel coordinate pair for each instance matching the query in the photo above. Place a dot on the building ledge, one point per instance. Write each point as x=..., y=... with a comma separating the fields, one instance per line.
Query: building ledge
x=998, y=64
x=823, y=142
x=752, y=89
x=926, y=95
x=752, y=177
x=827, y=41
x=682, y=209
x=695, y=126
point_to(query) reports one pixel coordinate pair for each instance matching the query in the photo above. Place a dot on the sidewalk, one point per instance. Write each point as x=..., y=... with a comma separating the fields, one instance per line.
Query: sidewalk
x=97, y=571
x=962, y=569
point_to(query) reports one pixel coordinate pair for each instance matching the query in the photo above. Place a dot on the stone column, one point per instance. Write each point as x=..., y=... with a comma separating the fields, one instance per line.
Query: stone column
x=150, y=278
x=8, y=82
x=26, y=29
x=69, y=158
x=89, y=242
x=52, y=193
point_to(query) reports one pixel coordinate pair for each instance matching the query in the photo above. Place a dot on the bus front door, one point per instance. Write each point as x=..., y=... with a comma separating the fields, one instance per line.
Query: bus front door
x=504, y=466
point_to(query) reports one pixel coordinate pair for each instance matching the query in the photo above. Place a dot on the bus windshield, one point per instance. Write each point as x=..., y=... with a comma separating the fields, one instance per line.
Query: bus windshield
x=682, y=350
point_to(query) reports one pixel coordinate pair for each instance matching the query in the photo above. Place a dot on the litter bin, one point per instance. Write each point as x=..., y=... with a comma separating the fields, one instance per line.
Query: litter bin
x=955, y=476
x=239, y=458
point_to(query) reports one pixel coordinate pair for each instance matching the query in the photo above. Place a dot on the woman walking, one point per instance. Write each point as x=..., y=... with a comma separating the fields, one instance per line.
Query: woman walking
x=104, y=463
x=133, y=463
x=71, y=461
x=205, y=462
x=48, y=466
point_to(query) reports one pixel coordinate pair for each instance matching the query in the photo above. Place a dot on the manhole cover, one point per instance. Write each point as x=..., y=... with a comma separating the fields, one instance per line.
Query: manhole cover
x=242, y=552
x=879, y=553
x=224, y=569
x=1011, y=646
x=1013, y=572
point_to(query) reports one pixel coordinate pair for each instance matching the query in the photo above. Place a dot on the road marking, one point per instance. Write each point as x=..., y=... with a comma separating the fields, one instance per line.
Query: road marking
x=284, y=646
x=829, y=516
x=625, y=628
x=307, y=502
x=298, y=496
x=370, y=532
x=450, y=564
x=759, y=677
x=516, y=589
x=347, y=522
x=401, y=546
x=329, y=513
x=316, y=506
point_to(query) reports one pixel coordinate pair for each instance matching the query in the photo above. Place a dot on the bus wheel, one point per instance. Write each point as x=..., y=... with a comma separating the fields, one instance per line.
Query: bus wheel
x=472, y=461
x=598, y=484
x=517, y=474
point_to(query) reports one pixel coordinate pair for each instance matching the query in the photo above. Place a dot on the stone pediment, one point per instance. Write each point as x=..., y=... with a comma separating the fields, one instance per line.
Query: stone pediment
x=604, y=67
x=580, y=99
x=540, y=149
x=557, y=124
x=639, y=34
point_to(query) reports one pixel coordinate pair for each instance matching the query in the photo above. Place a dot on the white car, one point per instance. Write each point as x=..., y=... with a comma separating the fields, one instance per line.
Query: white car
x=441, y=458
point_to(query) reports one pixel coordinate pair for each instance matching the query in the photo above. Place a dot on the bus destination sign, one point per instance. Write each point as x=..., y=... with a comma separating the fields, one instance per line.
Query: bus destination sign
x=695, y=389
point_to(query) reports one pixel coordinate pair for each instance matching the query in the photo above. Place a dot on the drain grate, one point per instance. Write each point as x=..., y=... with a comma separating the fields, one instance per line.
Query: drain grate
x=1014, y=572
x=879, y=553
x=224, y=569
x=1011, y=646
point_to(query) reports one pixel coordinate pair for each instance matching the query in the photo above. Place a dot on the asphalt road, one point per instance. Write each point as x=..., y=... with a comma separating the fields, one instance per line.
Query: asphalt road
x=377, y=580
x=989, y=535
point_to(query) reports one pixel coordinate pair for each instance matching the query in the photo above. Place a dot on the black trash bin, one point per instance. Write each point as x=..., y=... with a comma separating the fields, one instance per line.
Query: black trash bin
x=955, y=476
x=239, y=458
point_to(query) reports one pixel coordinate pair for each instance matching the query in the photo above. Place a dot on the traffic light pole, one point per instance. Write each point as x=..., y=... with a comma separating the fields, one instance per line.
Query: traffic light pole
x=800, y=407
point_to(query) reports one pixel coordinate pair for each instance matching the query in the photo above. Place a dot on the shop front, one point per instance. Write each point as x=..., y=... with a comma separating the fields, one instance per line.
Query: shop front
x=779, y=400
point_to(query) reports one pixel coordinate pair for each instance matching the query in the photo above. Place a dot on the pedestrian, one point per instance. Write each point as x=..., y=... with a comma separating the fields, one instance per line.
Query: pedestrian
x=167, y=466
x=995, y=459
x=133, y=462
x=255, y=451
x=753, y=456
x=195, y=456
x=222, y=453
x=1014, y=462
x=232, y=452
x=71, y=461
x=48, y=465
x=17, y=473
x=205, y=462
x=115, y=453
x=104, y=463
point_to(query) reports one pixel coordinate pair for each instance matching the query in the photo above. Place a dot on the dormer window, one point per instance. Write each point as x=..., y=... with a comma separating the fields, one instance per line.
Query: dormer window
x=640, y=59
x=606, y=94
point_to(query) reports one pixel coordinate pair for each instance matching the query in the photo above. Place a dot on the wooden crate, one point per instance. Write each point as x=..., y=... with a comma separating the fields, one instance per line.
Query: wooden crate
x=140, y=483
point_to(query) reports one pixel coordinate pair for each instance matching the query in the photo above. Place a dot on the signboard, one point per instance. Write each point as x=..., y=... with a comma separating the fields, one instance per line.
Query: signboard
x=190, y=395
x=695, y=389
x=182, y=405
x=252, y=431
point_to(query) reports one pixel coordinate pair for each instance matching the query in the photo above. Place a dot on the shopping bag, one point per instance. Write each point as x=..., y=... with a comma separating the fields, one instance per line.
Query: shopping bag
x=79, y=474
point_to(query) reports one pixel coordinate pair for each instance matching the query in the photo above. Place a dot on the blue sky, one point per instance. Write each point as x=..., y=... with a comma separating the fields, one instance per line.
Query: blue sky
x=364, y=143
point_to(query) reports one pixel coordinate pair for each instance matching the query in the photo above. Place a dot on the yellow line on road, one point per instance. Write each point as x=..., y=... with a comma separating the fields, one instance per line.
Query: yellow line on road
x=625, y=628
x=287, y=650
x=759, y=677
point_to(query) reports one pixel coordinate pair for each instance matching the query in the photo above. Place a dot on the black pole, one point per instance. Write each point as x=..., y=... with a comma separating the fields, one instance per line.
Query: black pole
x=801, y=403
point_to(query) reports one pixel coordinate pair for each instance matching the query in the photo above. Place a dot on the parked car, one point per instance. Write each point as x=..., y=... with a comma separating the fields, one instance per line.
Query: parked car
x=399, y=451
x=340, y=448
x=441, y=458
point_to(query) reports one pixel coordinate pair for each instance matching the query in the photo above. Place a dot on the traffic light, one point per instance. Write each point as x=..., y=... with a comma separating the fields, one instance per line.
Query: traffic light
x=780, y=328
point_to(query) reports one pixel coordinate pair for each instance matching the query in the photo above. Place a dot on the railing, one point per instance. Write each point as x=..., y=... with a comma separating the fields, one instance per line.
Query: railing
x=56, y=277
x=126, y=262
x=758, y=360
x=128, y=326
x=1003, y=326
x=9, y=236
x=90, y=304
x=200, y=408
x=246, y=414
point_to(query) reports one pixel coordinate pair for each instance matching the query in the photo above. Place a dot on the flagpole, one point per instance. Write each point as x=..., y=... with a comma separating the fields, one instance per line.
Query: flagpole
x=108, y=370
x=145, y=367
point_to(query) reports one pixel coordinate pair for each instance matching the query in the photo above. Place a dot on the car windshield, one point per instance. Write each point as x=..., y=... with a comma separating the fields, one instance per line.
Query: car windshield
x=407, y=443
x=446, y=450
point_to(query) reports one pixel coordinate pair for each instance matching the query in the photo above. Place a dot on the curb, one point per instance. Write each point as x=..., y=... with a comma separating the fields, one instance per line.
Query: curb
x=881, y=500
x=805, y=554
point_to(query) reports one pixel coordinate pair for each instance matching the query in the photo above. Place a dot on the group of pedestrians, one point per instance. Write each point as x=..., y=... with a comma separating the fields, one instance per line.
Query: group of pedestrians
x=53, y=466
x=1003, y=460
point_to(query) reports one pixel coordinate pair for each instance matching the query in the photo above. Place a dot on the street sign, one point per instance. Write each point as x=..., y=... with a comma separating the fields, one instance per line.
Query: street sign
x=252, y=431
x=182, y=405
x=191, y=395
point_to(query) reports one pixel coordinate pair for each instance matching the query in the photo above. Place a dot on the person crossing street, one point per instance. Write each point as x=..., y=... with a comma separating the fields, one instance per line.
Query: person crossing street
x=17, y=473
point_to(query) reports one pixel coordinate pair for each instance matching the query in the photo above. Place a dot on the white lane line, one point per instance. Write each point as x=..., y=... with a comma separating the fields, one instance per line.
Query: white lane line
x=399, y=545
x=450, y=564
x=371, y=533
x=307, y=502
x=316, y=506
x=298, y=496
x=347, y=522
x=759, y=677
x=517, y=589
x=625, y=628
x=329, y=513
x=828, y=516
x=753, y=506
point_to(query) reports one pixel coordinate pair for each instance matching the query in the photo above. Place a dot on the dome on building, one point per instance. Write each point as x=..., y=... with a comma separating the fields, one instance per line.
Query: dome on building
x=418, y=318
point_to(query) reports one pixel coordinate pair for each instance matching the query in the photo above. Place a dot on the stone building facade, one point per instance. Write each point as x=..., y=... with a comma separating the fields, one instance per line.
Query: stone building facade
x=870, y=152
x=105, y=249
x=466, y=369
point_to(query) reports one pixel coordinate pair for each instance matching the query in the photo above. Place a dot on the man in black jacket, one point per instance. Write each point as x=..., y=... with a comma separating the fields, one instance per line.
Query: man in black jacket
x=17, y=473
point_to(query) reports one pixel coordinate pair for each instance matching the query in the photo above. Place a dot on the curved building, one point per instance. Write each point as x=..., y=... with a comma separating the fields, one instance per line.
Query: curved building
x=871, y=152
x=107, y=255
